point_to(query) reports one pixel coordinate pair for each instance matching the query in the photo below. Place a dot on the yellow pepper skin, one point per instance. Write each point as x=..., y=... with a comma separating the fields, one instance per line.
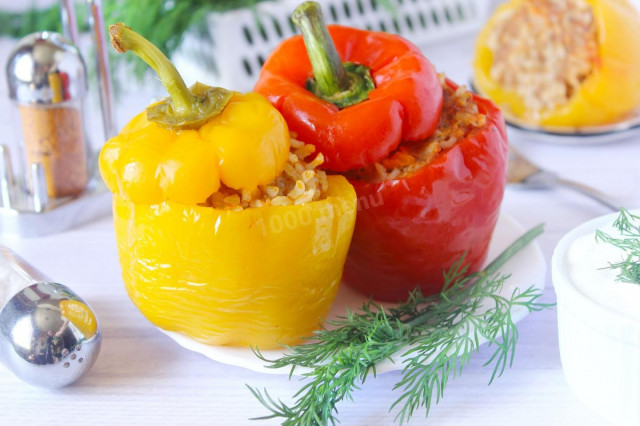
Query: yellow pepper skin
x=252, y=139
x=609, y=92
x=262, y=276
x=245, y=146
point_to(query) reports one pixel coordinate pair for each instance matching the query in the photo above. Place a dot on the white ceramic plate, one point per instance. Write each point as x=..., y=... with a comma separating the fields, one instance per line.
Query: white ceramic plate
x=527, y=268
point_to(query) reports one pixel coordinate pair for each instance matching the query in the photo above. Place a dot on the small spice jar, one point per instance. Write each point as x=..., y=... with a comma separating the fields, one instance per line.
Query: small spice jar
x=48, y=84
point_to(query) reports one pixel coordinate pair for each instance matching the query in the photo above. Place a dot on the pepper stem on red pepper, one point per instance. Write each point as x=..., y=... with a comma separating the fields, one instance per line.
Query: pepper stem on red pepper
x=342, y=84
x=186, y=108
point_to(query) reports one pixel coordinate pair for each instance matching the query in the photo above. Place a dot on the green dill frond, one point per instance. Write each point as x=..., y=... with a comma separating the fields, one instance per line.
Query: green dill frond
x=434, y=337
x=628, y=226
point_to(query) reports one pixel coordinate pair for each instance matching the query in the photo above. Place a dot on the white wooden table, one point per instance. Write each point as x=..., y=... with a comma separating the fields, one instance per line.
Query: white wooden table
x=143, y=377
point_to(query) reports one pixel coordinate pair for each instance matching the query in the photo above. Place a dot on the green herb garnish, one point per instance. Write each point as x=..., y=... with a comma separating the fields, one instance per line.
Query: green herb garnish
x=628, y=225
x=441, y=332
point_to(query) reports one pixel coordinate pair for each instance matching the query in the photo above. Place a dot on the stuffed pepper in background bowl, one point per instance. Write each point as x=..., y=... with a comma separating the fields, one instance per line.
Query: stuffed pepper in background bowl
x=561, y=63
x=427, y=158
x=227, y=231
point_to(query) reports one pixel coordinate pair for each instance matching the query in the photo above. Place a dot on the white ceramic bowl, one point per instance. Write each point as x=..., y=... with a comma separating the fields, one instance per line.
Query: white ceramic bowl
x=598, y=323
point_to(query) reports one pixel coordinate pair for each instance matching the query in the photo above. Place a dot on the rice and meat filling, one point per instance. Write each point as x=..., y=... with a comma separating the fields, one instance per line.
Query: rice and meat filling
x=543, y=50
x=459, y=117
x=300, y=182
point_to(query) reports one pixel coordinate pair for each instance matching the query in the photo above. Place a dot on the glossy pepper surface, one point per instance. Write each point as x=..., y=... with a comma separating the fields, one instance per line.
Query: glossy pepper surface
x=261, y=276
x=147, y=163
x=412, y=228
x=610, y=91
x=409, y=229
x=404, y=105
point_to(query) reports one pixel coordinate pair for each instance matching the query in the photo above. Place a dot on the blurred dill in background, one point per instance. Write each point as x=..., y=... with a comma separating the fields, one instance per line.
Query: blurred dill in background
x=164, y=22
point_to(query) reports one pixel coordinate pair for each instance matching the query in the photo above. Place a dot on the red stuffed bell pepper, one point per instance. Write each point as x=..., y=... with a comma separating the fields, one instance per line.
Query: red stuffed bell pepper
x=412, y=227
x=401, y=88
x=423, y=203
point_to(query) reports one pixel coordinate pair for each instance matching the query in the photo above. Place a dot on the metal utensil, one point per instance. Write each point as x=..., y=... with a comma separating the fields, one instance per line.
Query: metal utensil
x=48, y=335
x=100, y=44
x=523, y=173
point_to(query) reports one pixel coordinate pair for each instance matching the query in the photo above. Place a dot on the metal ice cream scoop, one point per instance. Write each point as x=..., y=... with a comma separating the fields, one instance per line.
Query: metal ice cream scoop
x=48, y=335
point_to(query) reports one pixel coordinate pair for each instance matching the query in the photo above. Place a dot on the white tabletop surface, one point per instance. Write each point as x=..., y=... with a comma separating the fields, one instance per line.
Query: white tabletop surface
x=143, y=377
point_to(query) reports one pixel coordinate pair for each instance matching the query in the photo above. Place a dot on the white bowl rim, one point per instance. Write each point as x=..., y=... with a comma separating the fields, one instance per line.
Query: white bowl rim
x=559, y=273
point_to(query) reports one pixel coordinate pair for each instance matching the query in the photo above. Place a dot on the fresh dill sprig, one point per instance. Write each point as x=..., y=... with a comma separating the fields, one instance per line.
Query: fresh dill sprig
x=441, y=332
x=628, y=226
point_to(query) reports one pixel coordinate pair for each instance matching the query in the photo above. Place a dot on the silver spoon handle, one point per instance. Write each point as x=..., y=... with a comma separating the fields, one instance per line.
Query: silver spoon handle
x=96, y=22
x=590, y=192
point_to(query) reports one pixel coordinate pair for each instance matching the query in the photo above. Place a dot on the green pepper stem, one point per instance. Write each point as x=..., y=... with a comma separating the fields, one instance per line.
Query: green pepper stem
x=123, y=39
x=341, y=84
x=327, y=67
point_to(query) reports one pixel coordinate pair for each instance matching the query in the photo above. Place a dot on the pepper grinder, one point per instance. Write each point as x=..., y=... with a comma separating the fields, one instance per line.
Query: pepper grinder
x=49, y=336
x=49, y=182
x=48, y=85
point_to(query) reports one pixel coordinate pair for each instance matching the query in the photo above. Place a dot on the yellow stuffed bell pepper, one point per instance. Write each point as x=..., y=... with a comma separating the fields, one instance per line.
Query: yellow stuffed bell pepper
x=225, y=232
x=567, y=63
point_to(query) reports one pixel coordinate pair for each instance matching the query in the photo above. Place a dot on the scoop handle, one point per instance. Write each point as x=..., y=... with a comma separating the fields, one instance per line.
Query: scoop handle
x=27, y=272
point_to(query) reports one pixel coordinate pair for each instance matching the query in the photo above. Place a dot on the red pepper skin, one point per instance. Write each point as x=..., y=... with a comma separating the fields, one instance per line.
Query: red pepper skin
x=409, y=230
x=405, y=105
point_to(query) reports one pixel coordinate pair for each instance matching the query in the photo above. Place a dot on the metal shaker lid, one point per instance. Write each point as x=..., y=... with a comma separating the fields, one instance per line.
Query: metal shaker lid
x=46, y=68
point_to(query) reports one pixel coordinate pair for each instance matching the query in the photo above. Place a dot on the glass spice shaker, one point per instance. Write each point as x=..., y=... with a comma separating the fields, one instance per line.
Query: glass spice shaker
x=47, y=84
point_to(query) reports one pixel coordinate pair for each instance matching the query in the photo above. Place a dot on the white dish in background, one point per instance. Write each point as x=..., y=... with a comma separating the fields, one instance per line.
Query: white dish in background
x=527, y=269
x=626, y=128
x=598, y=323
x=602, y=134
